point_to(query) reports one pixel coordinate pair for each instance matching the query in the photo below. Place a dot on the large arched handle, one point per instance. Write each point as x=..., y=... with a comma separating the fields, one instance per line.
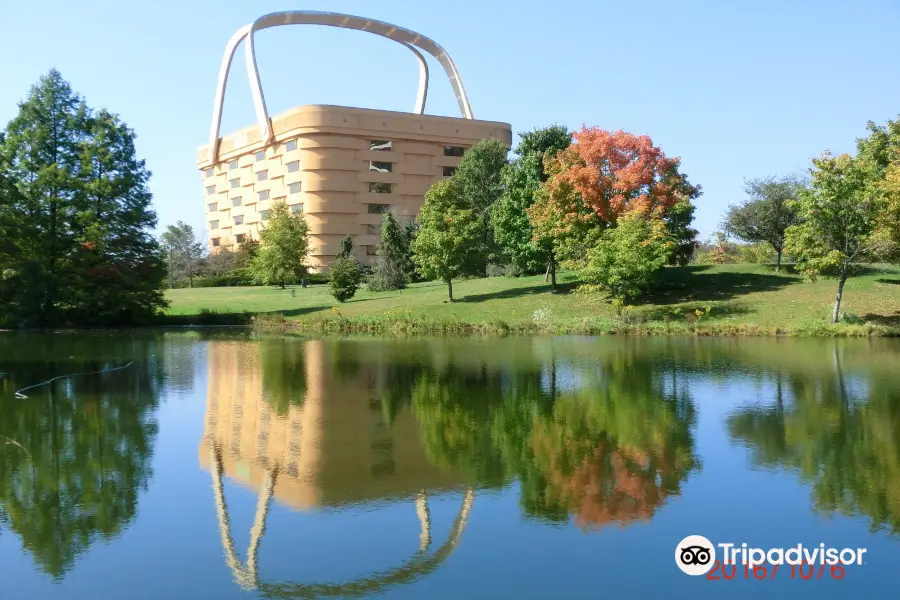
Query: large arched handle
x=406, y=37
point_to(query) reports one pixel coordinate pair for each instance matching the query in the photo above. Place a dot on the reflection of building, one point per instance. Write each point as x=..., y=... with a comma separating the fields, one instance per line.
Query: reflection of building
x=341, y=167
x=332, y=449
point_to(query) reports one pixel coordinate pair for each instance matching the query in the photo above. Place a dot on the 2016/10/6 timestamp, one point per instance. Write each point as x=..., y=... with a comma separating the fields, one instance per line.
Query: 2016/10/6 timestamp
x=803, y=571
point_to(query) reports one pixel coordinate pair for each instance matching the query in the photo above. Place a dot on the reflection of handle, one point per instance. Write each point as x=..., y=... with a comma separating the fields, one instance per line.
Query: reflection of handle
x=248, y=577
x=410, y=39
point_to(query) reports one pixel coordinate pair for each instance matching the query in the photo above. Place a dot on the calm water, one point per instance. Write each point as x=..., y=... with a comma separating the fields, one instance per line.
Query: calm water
x=225, y=465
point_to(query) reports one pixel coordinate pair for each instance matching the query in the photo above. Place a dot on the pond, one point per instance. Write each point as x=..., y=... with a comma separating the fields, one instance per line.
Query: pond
x=228, y=464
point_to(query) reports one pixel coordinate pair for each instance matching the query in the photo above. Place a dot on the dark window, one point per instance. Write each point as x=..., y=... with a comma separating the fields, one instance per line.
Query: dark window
x=235, y=183
x=210, y=189
x=380, y=188
x=293, y=167
x=213, y=224
x=264, y=215
x=262, y=175
x=290, y=146
x=294, y=188
x=371, y=230
x=238, y=220
x=371, y=250
x=209, y=172
x=261, y=155
x=264, y=195
x=379, y=209
x=232, y=165
x=453, y=151
x=381, y=145
x=449, y=171
x=239, y=238
x=212, y=206
x=297, y=208
x=215, y=241
x=236, y=201
x=381, y=167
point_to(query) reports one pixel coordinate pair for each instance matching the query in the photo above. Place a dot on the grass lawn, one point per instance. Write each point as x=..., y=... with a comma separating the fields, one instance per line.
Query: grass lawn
x=741, y=299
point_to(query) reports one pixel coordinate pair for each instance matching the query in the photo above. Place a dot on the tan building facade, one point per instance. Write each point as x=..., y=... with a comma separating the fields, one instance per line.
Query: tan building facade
x=341, y=167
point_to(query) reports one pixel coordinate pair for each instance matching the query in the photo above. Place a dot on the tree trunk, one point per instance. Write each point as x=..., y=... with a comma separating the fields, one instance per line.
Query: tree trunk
x=837, y=297
x=552, y=274
x=778, y=260
x=547, y=274
x=450, y=289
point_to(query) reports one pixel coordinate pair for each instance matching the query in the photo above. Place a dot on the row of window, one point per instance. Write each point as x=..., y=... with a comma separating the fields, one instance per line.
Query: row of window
x=387, y=146
x=293, y=188
x=263, y=215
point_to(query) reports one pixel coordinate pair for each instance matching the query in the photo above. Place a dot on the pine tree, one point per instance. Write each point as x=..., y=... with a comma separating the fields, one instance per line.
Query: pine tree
x=393, y=263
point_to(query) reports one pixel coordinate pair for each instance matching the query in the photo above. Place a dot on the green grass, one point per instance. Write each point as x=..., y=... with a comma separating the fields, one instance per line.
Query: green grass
x=742, y=300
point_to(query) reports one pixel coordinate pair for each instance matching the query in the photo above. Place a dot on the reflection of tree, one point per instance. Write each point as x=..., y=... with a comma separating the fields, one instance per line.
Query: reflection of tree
x=283, y=373
x=82, y=446
x=842, y=438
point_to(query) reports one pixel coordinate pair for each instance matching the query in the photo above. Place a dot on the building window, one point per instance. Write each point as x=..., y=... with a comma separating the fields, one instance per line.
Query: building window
x=264, y=215
x=215, y=242
x=209, y=172
x=381, y=167
x=379, y=209
x=381, y=145
x=371, y=250
x=453, y=151
x=297, y=208
x=294, y=188
x=372, y=229
x=235, y=183
x=262, y=175
x=210, y=190
x=212, y=206
x=290, y=146
x=261, y=155
x=264, y=195
x=238, y=219
x=293, y=167
x=236, y=201
x=232, y=165
x=213, y=224
x=379, y=188
x=449, y=171
x=239, y=238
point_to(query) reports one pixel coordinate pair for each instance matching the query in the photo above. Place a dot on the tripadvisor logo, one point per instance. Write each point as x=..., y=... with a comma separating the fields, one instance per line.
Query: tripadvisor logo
x=696, y=555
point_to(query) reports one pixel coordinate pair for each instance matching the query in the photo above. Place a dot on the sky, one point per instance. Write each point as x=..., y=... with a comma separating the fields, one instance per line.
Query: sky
x=736, y=89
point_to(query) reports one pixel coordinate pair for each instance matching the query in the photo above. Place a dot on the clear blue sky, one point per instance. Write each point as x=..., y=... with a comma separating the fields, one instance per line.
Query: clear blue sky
x=736, y=89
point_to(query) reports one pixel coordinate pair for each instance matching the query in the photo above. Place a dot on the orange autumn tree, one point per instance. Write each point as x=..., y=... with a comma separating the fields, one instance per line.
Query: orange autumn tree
x=601, y=177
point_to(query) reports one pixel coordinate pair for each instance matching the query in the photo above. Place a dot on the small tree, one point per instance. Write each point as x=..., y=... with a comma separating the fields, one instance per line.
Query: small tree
x=186, y=250
x=391, y=268
x=767, y=214
x=839, y=215
x=626, y=259
x=346, y=248
x=448, y=244
x=678, y=221
x=345, y=278
x=281, y=257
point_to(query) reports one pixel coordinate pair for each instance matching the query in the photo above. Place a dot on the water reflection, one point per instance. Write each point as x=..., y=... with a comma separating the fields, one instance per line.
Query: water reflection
x=839, y=431
x=76, y=453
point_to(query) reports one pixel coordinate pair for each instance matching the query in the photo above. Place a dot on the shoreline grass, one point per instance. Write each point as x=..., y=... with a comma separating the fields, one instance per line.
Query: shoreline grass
x=719, y=300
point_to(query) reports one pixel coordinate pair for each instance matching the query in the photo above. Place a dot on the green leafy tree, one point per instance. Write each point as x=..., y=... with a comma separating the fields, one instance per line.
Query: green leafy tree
x=346, y=248
x=283, y=249
x=479, y=182
x=391, y=268
x=881, y=152
x=83, y=252
x=839, y=216
x=678, y=221
x=449, y=241
x=628, y=256
x=345, y=278
x=767, y=214
x=544, y=141
x=187, y=251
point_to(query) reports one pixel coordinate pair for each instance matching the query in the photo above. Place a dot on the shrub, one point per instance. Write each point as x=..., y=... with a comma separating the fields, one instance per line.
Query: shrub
x=346, y=276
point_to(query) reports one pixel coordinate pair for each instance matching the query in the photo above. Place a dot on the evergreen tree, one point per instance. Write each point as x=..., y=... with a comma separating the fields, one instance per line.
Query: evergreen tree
x=281, y=257
x=81, y=251
x=345, y=278
x=346, y=248
x=392, y=265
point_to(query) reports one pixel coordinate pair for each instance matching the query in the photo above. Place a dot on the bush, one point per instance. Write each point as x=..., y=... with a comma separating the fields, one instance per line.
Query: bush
x=346, y=276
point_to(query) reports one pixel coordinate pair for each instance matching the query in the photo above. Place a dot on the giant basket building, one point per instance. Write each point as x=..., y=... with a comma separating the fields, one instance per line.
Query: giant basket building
x=341, y=167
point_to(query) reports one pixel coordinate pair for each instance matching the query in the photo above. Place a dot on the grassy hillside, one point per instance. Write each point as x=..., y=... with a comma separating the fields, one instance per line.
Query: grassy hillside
x=742, y=299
